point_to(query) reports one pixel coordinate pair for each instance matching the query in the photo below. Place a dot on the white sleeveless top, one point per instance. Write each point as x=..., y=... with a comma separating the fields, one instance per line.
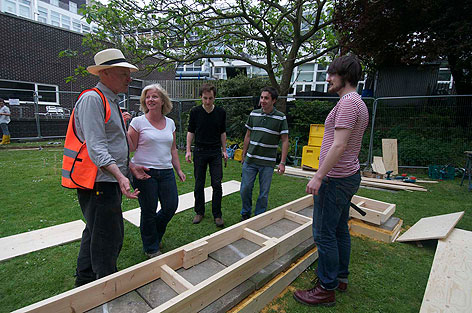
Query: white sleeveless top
x=154, y=145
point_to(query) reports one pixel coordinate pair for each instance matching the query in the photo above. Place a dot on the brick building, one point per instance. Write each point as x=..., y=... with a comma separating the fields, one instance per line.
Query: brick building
x=30, y=62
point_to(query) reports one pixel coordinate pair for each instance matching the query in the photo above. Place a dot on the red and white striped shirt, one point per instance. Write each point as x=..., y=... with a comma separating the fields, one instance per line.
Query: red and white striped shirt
x=350, y=112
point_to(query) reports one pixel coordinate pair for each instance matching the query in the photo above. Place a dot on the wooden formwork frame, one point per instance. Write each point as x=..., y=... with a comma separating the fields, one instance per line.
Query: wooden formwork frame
x=191, y=298
x=377, y=212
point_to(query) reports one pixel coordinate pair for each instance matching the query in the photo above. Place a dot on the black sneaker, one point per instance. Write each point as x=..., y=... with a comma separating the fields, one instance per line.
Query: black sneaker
x=79, y=281
x=245, y=217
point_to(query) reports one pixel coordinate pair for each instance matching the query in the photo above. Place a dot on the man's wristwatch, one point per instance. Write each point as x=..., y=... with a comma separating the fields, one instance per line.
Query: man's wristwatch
x=283, y=163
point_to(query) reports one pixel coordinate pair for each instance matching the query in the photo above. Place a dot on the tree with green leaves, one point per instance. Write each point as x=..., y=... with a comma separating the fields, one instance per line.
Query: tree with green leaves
x=272, y=35
x=411, y=32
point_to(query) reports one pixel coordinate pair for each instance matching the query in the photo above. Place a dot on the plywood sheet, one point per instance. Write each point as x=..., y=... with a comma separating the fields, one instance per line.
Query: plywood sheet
x=35, y=240
x=390, y=155
x=449, y=287
x=378, y=165
x=435, y=227
x=186, y=201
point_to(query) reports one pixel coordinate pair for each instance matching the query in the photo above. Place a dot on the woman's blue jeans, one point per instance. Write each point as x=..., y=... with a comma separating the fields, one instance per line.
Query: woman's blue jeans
x=330, y=228
x=249, y=173
x=161, y=186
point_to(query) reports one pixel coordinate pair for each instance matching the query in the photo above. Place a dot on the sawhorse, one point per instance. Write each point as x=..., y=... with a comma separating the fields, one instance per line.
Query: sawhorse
x=468, y=168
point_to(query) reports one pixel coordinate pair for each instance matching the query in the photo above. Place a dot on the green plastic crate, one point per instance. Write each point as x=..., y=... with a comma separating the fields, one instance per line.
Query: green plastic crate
x=444, y=172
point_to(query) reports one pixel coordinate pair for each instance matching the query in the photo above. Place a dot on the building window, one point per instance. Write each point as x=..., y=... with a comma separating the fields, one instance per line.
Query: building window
x=54, y=2
x=180, y=67
x=55, y=19
x=48, y=94
x=194, y=67
x=9, y=6
x=321, y=76
x=85, y=28
x=73, y=7
x=76, y=25
x=65, y=21
x=24, y=8
x=43, y=15
x=320, y=87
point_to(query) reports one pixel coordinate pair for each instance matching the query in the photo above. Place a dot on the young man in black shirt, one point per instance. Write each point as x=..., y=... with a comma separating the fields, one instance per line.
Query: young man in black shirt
x=207, y=125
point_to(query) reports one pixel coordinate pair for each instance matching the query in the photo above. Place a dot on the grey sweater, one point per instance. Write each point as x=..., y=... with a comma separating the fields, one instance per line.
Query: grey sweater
x=106, y=143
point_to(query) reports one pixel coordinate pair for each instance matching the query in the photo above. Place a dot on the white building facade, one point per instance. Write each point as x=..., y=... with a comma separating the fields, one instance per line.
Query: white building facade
x=59, y=13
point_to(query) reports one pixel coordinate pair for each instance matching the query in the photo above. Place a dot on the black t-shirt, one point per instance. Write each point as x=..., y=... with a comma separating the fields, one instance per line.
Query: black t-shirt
x=207, y=127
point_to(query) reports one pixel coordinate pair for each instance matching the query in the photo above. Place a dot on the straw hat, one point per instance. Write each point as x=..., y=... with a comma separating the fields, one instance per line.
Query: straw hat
x=109, y=58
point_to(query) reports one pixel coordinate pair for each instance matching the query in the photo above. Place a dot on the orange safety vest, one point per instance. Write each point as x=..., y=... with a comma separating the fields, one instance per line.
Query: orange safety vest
x=78, y=171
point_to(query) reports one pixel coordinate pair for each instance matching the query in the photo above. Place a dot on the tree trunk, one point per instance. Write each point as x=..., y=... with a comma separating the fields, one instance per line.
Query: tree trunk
x=463, y=86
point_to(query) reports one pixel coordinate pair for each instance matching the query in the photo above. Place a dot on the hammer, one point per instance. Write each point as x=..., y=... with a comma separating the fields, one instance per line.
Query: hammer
x=359, y=210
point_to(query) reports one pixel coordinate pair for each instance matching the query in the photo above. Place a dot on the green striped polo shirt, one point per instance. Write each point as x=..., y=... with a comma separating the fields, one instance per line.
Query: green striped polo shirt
x=265, y=136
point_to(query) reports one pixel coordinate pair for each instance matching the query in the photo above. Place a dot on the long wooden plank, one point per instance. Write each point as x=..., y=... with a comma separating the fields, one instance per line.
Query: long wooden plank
x=434, y=227
x=217, y=285
x=108, y=288
x=35, y=240
x=372, y=182
x=449, y=287
x=260, y=298
x=102, y=290
x=393, y=182
x=391, y=186
x=186, y=201
x=390, y=155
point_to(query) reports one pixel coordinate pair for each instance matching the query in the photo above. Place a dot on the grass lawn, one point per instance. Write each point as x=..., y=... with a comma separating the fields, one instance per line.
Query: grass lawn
x=384, y=277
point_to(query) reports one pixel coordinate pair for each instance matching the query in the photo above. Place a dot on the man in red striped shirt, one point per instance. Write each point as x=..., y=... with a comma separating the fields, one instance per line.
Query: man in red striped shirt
x=336, y=181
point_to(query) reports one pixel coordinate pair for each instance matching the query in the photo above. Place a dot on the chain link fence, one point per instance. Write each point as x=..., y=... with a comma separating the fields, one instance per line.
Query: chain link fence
x=429, y=129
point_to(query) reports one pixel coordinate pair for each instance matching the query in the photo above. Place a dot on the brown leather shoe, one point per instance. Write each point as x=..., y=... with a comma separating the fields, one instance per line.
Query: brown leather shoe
x=342, y=287
x=219, y=222
x=197, y=219
x=316, y=296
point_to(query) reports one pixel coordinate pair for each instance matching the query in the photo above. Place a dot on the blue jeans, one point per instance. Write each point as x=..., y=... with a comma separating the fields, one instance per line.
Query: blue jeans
x=4, y=127
x=249, y=173
x=161, y=186
x=330, y=228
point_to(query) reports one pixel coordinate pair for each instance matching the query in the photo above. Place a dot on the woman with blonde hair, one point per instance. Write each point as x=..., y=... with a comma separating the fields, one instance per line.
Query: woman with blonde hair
x=152, y=136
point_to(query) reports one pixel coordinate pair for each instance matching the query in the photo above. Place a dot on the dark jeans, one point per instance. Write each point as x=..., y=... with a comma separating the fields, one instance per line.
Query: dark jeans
x=102, y=237
x=202, y=159
x=163, y=188
x=330, y=228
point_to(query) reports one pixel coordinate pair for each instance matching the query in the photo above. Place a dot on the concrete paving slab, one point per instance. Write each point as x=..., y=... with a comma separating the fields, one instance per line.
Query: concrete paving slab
x=308, y=211
x=390, y=223
x=279, y=228
x=231, y=298
x=234, y=252
x=156, y=293
x=270, y=271
x=198, y=273
x=130, y=302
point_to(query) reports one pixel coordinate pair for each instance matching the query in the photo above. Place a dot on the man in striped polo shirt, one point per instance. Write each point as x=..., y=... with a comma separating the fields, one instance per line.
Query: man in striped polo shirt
x=336, y=181
x=265, y=128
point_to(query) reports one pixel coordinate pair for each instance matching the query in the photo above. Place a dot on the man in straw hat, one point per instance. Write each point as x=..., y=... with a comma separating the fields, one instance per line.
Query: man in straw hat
x=97, y=124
